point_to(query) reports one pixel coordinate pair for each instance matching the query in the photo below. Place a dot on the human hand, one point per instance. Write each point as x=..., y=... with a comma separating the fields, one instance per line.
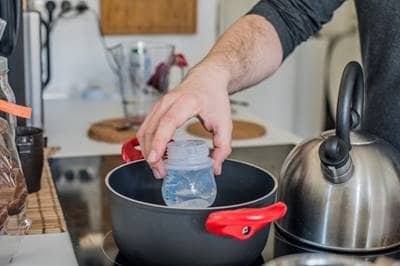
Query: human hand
x=203, y=94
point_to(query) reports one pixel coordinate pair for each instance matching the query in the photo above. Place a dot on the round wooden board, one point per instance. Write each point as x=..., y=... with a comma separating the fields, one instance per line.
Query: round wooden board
x=106, y=131
x=242, y=130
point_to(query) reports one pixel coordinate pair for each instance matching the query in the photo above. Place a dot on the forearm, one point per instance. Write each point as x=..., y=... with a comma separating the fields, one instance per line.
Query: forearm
x=254, y=47
x=248, y=52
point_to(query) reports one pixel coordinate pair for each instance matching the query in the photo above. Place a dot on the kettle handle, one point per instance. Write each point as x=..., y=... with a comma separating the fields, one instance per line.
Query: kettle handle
x=350, y=101
x=334, y=151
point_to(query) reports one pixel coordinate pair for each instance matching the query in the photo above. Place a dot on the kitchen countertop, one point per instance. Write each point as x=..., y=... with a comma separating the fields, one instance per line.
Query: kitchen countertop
x=45, y=250
x=67, y=122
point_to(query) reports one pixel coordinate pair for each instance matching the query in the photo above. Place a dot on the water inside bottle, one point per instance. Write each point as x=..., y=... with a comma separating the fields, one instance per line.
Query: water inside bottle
x=193, y=187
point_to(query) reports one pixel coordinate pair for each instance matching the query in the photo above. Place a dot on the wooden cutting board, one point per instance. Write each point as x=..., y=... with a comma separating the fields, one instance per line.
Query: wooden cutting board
x=148, y=16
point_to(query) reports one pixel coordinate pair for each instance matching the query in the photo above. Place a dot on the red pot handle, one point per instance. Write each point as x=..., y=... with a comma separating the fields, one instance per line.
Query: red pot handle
x=242, y=224
x=131, y=151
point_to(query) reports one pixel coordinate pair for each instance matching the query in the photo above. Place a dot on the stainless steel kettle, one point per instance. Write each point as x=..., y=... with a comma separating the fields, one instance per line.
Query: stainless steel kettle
x=342, y=188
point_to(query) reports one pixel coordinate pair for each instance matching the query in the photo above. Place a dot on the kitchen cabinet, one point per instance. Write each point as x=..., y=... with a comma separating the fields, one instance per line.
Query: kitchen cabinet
x=148, y=16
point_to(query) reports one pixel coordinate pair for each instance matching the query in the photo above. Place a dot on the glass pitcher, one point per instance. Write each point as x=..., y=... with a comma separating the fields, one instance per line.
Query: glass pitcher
x=143, y=69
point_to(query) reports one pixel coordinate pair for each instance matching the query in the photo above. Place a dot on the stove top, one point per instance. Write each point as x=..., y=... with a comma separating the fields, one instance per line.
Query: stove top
x=82, y=193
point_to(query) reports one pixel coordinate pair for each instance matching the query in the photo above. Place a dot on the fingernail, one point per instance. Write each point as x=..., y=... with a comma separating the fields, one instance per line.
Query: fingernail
x=156, y=173
x=152, y=157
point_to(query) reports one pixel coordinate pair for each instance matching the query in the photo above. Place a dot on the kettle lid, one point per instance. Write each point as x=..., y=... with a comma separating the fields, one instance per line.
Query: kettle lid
x=356, y=137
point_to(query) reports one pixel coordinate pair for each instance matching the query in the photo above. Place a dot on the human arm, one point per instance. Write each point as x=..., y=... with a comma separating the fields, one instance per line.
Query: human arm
x=251, y=50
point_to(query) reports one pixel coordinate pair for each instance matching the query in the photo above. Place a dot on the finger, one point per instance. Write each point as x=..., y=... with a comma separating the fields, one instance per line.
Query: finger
x=158, y=169
x=222, y=145
x=183, y=109
x=154, y=121
x=150, y=124
x=141, y=135
x=148, y=132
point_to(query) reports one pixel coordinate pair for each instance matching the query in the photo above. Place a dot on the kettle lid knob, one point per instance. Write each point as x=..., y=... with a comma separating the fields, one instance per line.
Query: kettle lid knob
x=334, y=152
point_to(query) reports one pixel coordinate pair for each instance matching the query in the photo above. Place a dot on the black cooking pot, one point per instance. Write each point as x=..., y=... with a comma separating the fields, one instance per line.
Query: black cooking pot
x=233, y=231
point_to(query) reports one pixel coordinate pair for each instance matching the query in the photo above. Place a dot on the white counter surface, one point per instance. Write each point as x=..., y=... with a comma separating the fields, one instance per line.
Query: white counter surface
x=45, y=250
x=67, y=122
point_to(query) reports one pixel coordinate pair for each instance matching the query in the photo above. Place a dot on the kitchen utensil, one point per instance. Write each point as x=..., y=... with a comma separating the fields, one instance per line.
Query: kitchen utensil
x=320, y=259
x=30, y=144
x=239, y=103
x=143, y=69
x=342, y=188
x=233, y=231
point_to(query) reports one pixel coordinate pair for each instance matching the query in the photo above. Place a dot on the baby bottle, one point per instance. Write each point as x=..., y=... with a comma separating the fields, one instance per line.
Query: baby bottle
x=190, y=181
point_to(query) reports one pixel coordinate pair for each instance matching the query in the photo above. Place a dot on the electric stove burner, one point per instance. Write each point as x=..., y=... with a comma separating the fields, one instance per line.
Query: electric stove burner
x=110, y=249
x=111, y=252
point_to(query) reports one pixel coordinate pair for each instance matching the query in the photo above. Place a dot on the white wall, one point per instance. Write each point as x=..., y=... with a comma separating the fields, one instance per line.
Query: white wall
x=78, y=59
x=292, y=99
x=311, y=67
x=272, y=99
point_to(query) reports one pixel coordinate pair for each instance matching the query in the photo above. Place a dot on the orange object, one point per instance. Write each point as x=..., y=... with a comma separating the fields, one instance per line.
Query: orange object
x=15, y=109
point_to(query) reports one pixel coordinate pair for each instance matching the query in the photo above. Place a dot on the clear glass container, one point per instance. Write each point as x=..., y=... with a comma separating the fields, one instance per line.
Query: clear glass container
x=6, y=93
x=143, y=69
x=13, y=192
x=13, y=196
x=190, y=182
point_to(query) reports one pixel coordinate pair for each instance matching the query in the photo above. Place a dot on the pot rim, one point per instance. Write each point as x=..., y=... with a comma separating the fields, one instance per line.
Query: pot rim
x=164, y=207
x=357, y=250
x=330, y=259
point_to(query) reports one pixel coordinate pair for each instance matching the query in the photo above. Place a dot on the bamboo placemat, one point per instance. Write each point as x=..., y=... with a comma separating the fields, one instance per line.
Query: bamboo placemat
x=44, y=208
x=241, y=130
